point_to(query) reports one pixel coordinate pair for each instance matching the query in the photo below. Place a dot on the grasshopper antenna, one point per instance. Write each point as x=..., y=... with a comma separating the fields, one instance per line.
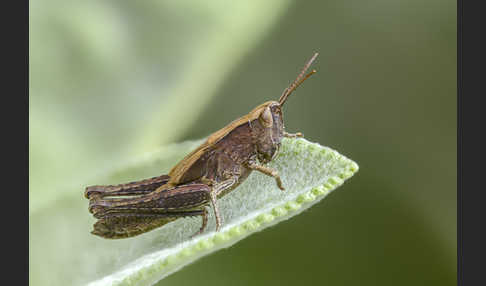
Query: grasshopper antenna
x=298, y=81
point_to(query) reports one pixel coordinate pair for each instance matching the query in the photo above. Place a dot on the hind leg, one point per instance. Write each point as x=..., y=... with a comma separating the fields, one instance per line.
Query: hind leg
x=204, y=216
x=116, y=225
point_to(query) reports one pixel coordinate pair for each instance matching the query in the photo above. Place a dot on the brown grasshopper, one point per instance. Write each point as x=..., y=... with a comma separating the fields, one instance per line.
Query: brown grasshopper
x=214, y=169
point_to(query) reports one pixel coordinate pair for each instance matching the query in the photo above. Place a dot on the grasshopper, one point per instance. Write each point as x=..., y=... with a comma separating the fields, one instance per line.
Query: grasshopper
x=212, y=170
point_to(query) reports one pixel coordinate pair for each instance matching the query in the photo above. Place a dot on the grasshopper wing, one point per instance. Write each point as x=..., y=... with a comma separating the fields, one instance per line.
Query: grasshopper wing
x=129, y=189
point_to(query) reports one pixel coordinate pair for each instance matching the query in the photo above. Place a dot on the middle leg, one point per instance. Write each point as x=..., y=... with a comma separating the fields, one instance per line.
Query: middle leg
x=216, y=190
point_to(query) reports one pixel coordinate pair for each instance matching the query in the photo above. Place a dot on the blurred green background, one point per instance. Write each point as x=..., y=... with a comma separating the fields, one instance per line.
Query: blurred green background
x=111, y=80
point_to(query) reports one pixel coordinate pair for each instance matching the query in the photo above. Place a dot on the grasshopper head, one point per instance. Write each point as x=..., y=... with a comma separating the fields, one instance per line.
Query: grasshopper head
x=271, y=118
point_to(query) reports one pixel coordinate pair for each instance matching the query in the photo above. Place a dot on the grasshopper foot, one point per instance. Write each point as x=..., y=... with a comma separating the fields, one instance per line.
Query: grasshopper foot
x=279, y=183
x=292, y=135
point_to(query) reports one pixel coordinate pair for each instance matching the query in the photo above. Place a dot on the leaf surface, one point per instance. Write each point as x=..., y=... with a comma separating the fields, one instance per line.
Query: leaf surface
x=308, y=170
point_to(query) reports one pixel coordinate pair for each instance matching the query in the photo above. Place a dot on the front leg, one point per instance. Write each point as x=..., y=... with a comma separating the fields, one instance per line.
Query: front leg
x=292, y=135
x=269, y=172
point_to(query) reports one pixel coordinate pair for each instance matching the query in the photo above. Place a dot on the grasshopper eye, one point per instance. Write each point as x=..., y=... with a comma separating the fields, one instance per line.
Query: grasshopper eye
x=266, y=117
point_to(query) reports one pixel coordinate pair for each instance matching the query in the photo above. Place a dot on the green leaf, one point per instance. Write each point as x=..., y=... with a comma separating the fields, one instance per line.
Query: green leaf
x=308, y=170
